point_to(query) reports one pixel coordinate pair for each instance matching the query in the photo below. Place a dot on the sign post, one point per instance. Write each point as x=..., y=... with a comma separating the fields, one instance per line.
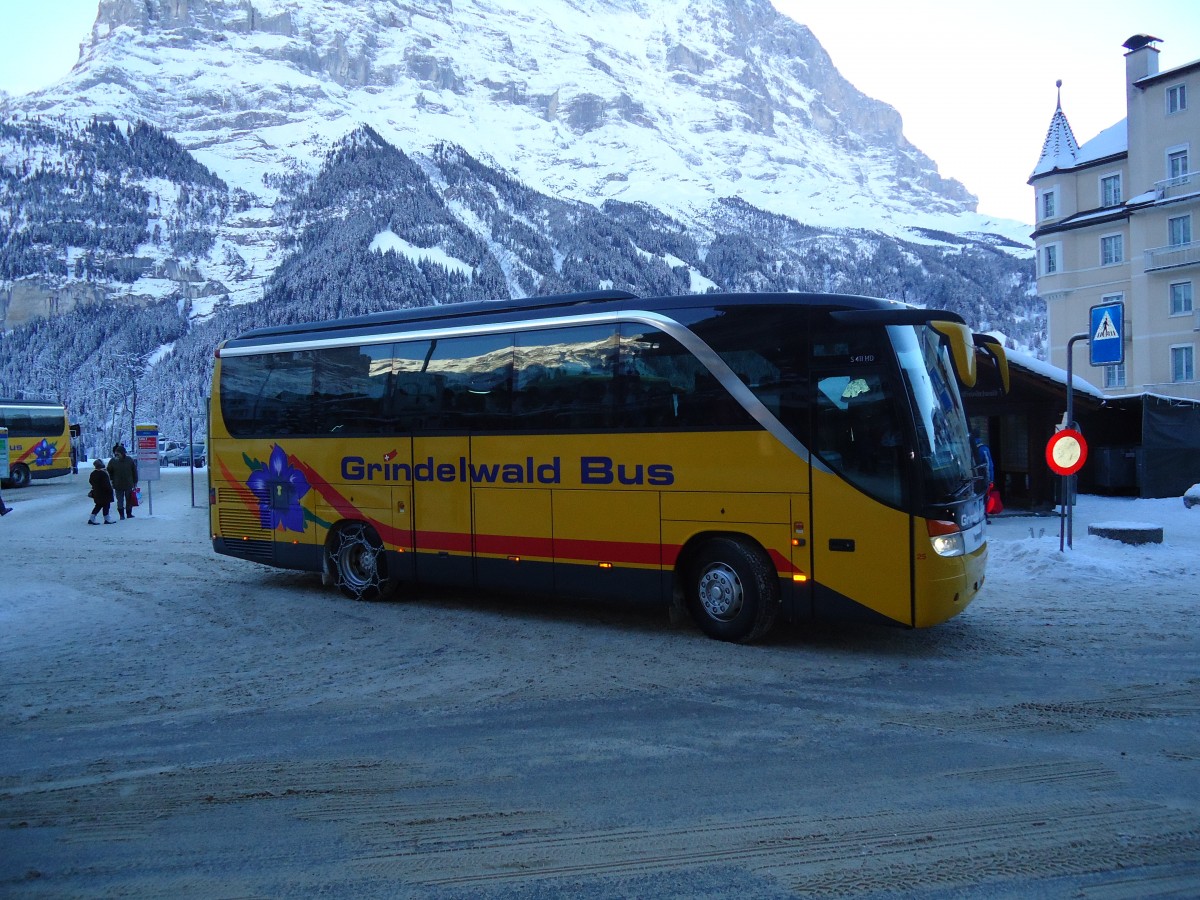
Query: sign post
x=3, y=452
x=1067, y=451
x=146, y=439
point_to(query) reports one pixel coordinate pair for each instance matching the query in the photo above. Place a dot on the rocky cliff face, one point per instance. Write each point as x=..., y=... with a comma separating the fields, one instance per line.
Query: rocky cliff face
x=677, y=103
x=265, y=151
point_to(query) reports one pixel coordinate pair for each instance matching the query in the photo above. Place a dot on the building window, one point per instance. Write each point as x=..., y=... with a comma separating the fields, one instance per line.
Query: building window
x=1176, y=98
x=1177, y=166
x=1181, y=298
x=1183, y=363
x=1110, y=190
x=1179, y=231
x=1112, y=250
x=1114, y=376
x=1049, y=208
x=1050, y=260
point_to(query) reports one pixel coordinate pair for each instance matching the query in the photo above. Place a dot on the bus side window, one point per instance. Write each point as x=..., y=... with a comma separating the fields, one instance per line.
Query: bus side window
x=663, y=384
x=268, y=394
x=564, y=378
x=475, y=377
x=857, y=432
x=767, y=347
x=412, y=401
x=349, y=389
x=19, y=424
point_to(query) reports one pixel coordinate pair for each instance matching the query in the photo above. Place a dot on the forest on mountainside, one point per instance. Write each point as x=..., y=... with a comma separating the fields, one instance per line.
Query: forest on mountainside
x=108, y=207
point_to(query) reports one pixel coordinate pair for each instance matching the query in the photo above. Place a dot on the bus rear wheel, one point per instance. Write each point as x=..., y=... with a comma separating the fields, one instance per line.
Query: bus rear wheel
x=19, y=475
x=357, y=560
x=732, y=590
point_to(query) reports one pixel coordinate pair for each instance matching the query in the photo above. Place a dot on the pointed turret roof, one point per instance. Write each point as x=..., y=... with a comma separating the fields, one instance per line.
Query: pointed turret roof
x=1061, y=150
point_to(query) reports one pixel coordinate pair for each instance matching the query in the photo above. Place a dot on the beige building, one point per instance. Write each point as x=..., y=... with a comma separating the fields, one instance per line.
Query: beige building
x=1118, y=220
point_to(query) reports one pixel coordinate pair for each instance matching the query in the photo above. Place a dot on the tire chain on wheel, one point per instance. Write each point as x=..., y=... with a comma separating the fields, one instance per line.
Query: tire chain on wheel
x=347, y=539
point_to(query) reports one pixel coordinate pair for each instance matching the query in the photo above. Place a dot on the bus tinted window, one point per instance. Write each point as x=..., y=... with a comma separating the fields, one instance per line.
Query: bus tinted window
x=577, y=378
x=473, y=378
x=767, y=347
x=351, y=390
x=565, y=379
x=20, y=424
x=858, y=430
x=268, y=394
x=663, y=384
x=415, y=401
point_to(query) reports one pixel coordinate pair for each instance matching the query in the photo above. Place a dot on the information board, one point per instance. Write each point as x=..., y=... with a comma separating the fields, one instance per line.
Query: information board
x=3, y=452
x=147, y=451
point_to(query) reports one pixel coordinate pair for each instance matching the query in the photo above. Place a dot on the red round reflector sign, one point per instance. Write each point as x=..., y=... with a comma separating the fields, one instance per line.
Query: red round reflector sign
x=1066, y=452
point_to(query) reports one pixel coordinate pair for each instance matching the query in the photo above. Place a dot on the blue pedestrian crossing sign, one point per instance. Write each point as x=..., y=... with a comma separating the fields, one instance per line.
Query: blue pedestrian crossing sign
x=1107, y=334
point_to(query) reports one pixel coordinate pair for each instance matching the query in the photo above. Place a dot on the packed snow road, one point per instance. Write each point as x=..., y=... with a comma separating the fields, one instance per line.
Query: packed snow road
x=174, y=723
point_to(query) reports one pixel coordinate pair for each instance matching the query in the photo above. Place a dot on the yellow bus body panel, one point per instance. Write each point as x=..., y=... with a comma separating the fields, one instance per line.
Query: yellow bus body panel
x=861, y=548
x=630, y=500
x=513, y=523
x=595, y=527
x=945, y=585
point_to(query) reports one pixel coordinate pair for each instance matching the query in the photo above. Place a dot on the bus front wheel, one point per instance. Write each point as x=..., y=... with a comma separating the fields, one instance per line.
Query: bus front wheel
x=357, y=560
x=19, y=475
x=732, y=590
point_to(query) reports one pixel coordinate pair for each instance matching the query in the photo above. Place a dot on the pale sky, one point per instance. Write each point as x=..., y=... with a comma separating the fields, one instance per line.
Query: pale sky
x=974, y=82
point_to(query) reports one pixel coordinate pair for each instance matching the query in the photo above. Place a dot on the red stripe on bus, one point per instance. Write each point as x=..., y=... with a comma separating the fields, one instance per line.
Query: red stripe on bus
x=397, y=537
x=558, y=549
x=505, y=544
x=450, y=541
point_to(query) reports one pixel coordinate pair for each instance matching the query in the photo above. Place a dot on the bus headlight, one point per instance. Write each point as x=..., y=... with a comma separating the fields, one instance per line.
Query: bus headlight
x=946, y=538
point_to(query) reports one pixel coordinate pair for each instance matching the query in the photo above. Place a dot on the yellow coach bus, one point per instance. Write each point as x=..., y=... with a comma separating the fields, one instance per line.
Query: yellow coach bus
x=754, y=457
x=39, y=440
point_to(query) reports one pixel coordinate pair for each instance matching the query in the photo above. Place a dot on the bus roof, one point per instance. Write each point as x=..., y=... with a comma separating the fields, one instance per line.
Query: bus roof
x=500, y=311
x=5, y=401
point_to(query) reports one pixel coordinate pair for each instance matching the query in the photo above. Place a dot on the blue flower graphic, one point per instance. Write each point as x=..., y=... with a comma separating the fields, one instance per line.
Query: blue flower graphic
x=279, y=489
x=44, y=453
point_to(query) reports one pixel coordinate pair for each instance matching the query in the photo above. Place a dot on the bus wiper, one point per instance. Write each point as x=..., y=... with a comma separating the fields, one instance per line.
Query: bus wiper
x=965, y=488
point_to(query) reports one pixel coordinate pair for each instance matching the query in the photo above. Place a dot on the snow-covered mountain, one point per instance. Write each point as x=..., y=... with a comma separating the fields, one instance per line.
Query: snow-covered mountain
x=677, y=103
x=279, y=160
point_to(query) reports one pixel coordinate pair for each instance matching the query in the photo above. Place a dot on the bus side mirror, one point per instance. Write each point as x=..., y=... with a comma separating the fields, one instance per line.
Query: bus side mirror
x=962, y=349
x=991, y=347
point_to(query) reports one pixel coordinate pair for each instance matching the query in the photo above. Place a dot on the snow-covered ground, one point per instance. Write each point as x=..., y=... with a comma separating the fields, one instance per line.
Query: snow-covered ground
x=174, y=722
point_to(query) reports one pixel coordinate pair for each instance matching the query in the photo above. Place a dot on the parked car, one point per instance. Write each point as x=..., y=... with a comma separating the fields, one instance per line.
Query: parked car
x=165, y=447
x=178, y=456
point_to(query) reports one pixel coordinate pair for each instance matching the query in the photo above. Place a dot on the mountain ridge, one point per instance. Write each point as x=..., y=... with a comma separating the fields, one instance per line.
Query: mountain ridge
x=150, y=207
x=677, y=103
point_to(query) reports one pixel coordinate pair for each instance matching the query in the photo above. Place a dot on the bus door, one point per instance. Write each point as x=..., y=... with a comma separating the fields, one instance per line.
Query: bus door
x=471, y=378
x=511, y=500
x=441, y=510
x=861, y=539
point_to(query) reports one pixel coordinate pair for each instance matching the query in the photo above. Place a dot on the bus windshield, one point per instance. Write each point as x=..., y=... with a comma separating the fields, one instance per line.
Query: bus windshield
x=943, y=445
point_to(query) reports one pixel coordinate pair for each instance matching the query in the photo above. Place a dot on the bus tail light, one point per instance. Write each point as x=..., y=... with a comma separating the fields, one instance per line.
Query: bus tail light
x=946, y=538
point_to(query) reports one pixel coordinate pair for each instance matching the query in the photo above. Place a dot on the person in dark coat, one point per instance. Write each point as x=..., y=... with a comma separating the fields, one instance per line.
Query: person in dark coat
x=123, y=471
x=4, y=510
x=101, y=494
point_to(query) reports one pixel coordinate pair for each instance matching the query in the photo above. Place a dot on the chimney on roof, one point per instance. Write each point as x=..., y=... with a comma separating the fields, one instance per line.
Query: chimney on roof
x=1141, y=59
